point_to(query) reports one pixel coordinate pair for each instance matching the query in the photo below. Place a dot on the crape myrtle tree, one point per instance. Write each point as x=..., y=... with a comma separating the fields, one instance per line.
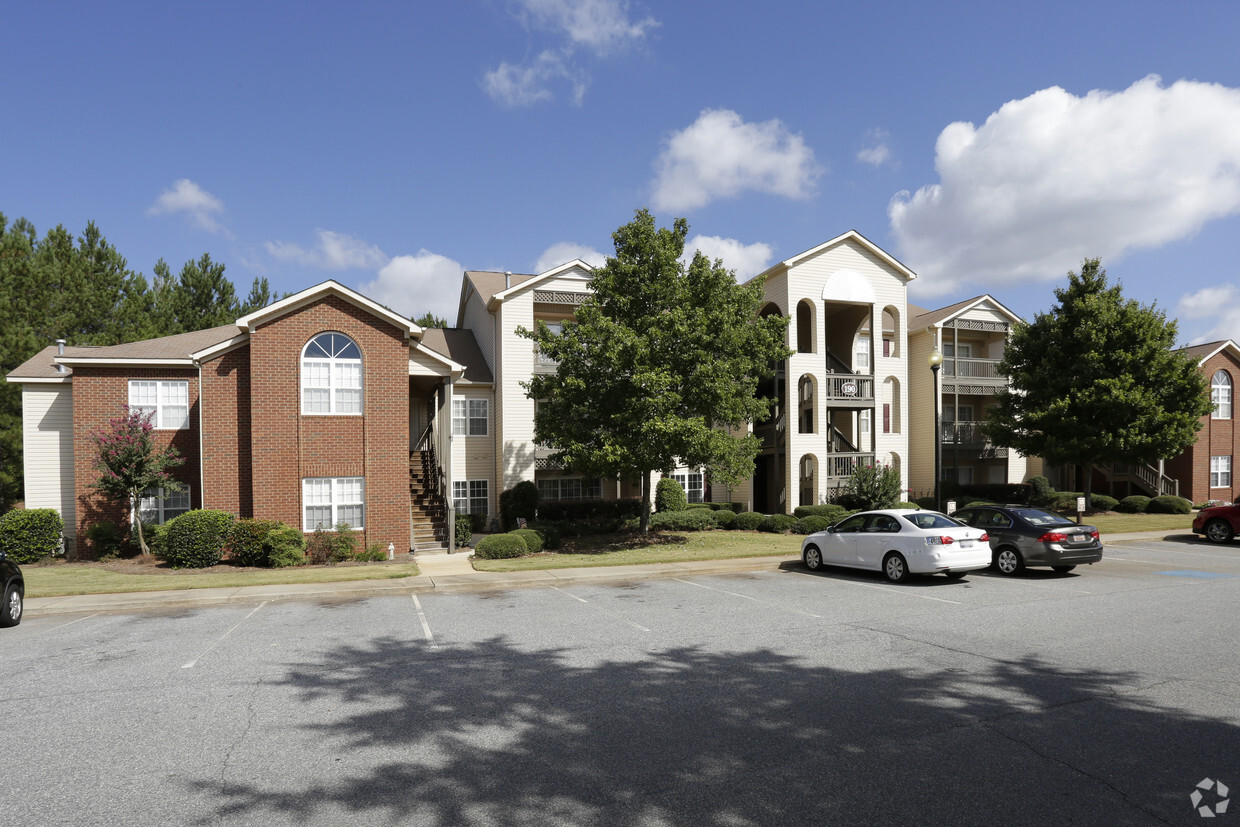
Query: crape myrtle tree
x=1096, y=380
x=661, y=366
x=129, y=463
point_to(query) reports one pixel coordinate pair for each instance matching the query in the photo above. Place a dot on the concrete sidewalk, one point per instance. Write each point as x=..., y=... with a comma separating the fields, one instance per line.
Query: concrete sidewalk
x=443, y=573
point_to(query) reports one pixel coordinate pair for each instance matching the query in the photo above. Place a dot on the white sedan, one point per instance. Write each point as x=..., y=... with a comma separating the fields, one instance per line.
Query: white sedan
x=899, y=542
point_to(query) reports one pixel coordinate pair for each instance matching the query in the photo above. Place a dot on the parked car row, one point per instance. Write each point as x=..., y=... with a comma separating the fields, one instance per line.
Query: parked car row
x=901, y=542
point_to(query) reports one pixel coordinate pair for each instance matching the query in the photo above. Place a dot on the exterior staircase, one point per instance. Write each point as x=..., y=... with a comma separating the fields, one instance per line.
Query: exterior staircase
x=428, y=514
x=1138, y=479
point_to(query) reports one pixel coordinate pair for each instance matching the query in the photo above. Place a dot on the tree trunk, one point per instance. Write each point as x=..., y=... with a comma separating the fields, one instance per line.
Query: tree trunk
x=141, y=538
x=645, y=518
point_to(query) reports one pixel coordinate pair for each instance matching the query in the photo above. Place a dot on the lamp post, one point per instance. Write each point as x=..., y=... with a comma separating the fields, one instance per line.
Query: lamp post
x=936, y=361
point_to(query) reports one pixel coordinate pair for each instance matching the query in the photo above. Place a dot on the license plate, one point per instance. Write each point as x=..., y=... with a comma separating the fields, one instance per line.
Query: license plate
x=966, y=544
x=1080, y=538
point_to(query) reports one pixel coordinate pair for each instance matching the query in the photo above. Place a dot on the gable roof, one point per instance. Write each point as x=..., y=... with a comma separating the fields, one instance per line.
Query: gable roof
x=931, y=318
x=1204, y=352
x=461, y=348
x=289, y=304
x=494, y=287
x=851, y=235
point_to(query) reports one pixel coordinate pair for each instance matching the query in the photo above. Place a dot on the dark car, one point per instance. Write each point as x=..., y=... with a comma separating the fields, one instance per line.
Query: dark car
x=14, y=592
x=1023, y=536
x=1219, y=523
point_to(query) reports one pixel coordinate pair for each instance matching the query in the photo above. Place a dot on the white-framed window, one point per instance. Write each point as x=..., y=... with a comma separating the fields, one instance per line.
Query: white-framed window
x=1220, y=472
x=570, y=488
x=158, y=505
x=326, y=502
x=691, y=481
x=1220, y=395
x=470, y=417
x=331, y=375
x=863, y=421
x=167, y=400
x=861, y=354
x=470, y=496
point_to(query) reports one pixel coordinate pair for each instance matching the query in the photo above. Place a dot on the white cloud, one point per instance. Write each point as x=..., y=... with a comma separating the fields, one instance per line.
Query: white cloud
x=565, y=251
x=1212, y=314
x=1053, y=178
x=721, y=156
x=600, y=25
x=334, y=251
x=522, y=85
x=876, y=153
x=747, y=260
x=417, y=284
x=187, y=197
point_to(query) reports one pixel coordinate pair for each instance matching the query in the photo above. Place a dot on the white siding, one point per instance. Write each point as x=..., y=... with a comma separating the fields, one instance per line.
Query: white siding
x=472, y=456
x=47, y=443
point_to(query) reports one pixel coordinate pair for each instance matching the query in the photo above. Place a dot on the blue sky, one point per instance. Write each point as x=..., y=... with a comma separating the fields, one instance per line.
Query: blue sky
x=991, y=147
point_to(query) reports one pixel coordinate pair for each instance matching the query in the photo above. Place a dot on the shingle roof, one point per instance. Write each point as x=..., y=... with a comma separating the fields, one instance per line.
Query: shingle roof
x=488, y=283
x=1200, y=353
x=461, y=347
x=180, y=346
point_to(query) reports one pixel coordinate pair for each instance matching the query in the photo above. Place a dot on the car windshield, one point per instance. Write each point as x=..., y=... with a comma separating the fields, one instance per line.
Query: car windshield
x=1038, y=517
x=931, y=519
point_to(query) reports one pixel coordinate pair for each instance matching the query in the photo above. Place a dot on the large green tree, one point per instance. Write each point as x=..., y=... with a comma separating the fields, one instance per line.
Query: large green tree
x=661, y=366
x=1096, y=380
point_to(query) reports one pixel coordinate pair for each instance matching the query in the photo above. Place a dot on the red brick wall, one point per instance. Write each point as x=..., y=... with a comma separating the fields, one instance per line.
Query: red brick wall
x=99, y=395
x=1217, y=437
x=287, y=446
x=227, y=459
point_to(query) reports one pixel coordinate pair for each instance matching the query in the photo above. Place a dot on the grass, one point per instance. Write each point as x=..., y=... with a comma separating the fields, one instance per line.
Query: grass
x=63, y=578
x=631, y=549
x=1114, y=523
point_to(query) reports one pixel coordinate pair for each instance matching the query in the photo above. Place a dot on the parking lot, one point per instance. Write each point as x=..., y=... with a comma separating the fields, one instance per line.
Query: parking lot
x=777, y=697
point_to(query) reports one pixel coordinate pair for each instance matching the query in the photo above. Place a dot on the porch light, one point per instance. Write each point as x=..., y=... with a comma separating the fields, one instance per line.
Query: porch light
x=935, y=360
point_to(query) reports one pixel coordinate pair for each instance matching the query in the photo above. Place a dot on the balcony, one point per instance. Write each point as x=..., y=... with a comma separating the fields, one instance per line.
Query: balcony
x=965, y=375
x=968, y=439
x=848, y=390
x=841, y=465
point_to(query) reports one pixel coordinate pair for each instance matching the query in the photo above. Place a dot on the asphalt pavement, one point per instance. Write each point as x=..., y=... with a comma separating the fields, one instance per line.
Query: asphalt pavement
x=442, y=573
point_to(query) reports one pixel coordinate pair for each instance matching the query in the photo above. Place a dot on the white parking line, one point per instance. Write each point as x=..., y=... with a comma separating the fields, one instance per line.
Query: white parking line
x=904, y=592
x=603, y=611
x=745, y=597
x=220, y=640
x=426, y=627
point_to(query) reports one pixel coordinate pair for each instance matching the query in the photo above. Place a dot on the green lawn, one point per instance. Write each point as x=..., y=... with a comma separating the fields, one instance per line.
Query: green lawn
x=627, y=550
x=1113, y=523
x=62, y=578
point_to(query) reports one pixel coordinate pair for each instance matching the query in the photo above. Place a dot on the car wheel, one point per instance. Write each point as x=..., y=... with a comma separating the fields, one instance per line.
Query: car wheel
x=895, y=568
x=1063, y=569
x=11, y=609
x=1009, y=562
x=1219, y=531
x=954, y=575
x=812, y=558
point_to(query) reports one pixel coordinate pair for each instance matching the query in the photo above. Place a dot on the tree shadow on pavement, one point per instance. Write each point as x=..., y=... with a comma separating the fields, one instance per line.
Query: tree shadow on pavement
x=496, y=734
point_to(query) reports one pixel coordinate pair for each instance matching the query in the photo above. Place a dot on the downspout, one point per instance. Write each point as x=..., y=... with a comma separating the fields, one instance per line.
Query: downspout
x=202, y=473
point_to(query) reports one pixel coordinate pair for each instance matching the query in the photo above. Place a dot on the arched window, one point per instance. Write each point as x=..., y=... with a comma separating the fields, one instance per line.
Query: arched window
x=805, y=327
x=331, y=375
x=1220, y=395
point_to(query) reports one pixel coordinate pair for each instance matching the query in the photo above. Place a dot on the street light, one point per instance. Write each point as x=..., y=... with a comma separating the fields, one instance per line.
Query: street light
x=935, y=359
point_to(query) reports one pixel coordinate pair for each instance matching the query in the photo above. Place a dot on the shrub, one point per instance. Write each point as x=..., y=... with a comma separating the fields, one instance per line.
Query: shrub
x=318, y=547
x=705, y=506
x=196, y=539
x=924, y=502
x=519, y=501
x=477, y=523
x=30, y=535
x=376, y=552
x=723, y=518
x=684, y=520
x=832, y=512
x=748, y=521
x=777, y=523
x=499, y=546
x=669, y=495
x=872, y=486
x=1168, y=504
x=551, y=533
x=1101, y=502
x=1040, y=491
x=286, y=547
x=907, y=505
x=562, y=510
x=343, y=544
x=1133, y=504
x=533, y=539
x=106, y=539
x=808, y=525
x=247, y=541
x=463, y=530
x=1065, y=501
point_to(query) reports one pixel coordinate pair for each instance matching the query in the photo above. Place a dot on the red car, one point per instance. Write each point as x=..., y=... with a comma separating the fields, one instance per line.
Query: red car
x=1218, y=523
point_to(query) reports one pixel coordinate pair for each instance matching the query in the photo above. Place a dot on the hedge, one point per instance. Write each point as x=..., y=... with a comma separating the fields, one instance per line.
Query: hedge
x=748, y=521
x=247, y=541
x=533, y=539
x=196, y=539
x=588, y=509
x=669, y=495
x=723, y=518
x=519, y=501
x=683, y=520
x=286, y=547
x=832, y=512
x=1133, y=504
x=499, y=546
x=30, y=535
x=462, y=530
x=1167, y=504
x=1101, y=502
x=808, y=525
x=777, y=523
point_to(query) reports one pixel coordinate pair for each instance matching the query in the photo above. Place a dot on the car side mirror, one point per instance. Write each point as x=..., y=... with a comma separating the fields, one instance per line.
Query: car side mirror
x=831, y=530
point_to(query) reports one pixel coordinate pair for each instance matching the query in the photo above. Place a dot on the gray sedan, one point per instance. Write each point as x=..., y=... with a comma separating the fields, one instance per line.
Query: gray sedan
x=1021, y=536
